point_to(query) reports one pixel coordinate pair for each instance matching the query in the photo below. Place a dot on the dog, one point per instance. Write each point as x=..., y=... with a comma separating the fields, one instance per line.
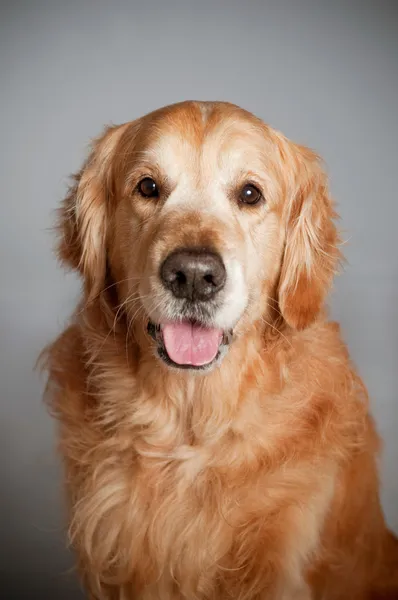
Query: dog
x=216, y=438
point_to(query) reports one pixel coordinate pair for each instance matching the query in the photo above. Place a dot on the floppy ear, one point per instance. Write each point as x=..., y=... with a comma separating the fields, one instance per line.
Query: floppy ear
x=83, y=217
x=311, y=253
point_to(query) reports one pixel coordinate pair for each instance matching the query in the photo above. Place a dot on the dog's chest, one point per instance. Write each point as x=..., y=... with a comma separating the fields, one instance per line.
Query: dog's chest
x=211, y=529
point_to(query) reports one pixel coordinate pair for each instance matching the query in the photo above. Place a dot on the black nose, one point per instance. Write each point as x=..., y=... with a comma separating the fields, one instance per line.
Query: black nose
x=193, y=274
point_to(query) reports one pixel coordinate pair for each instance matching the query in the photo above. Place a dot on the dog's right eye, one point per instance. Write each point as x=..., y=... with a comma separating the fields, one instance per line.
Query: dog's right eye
x=148, y=188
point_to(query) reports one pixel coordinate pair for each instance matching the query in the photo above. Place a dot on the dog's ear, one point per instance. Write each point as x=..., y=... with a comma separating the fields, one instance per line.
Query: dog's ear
x=311, y=251
x=84, y=214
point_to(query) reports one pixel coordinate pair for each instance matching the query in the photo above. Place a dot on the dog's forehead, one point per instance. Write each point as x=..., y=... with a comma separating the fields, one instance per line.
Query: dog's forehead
x=200, y=142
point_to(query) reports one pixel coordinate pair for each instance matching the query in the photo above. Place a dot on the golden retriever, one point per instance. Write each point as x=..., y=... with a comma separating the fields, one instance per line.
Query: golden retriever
x=216, y=438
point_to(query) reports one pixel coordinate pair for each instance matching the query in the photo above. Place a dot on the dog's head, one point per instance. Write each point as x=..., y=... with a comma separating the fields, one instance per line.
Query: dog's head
x=205, y=219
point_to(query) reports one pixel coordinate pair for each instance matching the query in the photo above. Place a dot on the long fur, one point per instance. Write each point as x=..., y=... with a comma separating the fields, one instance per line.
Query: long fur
x=256, y=481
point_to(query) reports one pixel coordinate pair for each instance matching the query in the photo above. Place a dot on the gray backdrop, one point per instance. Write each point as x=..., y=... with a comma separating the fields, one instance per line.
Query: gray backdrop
x=323, y=72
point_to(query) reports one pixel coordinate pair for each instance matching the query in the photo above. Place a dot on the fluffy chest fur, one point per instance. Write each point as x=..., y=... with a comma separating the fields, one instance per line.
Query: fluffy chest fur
x=173, y=490
x=222, y=534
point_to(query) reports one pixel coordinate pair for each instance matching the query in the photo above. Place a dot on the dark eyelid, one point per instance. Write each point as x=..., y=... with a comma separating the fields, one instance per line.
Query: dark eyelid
x=254, y=183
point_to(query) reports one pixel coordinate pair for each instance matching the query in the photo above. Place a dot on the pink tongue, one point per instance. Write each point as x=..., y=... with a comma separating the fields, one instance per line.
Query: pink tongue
x=189, y=344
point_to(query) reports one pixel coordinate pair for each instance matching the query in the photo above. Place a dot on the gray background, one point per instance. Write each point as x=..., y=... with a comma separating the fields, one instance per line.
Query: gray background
x=324, y=72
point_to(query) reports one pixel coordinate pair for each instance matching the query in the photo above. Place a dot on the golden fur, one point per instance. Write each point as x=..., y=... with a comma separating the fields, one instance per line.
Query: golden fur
x=256, y=480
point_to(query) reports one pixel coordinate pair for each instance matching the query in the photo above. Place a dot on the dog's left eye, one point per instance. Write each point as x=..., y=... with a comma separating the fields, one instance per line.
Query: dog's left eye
x=249, y=194
x=148, y=188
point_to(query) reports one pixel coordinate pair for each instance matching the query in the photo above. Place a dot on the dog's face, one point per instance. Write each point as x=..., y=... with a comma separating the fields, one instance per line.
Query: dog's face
x=205, y=218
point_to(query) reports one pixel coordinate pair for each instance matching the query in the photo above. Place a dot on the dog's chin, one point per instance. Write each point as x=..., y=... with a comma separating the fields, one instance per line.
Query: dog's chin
x=175, y=360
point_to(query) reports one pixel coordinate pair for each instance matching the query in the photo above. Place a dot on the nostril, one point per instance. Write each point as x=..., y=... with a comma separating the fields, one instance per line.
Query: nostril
x=180, y=277
x=209, y=279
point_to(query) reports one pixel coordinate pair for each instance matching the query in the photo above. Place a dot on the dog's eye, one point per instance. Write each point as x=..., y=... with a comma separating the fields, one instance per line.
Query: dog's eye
x=249, y=194
x=148, y=188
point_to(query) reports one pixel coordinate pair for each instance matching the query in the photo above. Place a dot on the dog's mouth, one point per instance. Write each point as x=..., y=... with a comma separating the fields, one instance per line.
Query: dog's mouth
x=189, y=344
